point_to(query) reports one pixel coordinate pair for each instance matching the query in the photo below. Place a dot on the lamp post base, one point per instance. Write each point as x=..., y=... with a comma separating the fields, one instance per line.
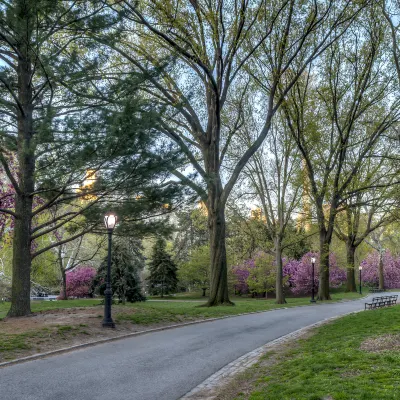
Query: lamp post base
x=108, y=324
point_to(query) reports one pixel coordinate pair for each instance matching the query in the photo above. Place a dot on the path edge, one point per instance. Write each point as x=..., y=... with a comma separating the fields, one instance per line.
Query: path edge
x=133, y=334
x=219, y=378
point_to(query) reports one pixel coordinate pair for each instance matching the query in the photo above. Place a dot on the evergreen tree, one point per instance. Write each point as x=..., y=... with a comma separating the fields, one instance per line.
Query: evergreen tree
x=163, y=271
x=126, y=263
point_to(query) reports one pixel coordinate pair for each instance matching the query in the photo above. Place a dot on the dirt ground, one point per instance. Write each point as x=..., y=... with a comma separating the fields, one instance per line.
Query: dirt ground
x=55, y=329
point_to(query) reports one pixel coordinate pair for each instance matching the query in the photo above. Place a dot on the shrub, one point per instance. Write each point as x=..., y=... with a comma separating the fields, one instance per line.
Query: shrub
x=79, y=282
x=391, y=270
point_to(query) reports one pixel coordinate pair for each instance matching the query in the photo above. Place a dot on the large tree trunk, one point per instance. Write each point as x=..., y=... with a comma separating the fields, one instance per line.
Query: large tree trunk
x=21, y=265
x=219, y=270
x=280, y=298
x=350, y=278
x=381, y=276
x=323, y=289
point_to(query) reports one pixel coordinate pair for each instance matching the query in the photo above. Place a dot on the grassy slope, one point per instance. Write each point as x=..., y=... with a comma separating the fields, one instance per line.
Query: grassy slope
x=331, y=365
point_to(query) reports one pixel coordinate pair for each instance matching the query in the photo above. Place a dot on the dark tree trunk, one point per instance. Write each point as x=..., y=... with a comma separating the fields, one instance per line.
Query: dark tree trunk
x=350, y=278
x=219, y=270
x=280, y=298
x=323, y=289
x=21, y=265
x=381, y=276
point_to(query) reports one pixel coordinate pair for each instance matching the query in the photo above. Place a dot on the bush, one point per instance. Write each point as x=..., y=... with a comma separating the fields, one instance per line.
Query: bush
x=296, y=273
x=79, y=282
x=391, y=270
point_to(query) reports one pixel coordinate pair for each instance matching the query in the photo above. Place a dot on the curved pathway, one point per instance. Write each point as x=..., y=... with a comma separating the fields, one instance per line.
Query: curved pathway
x=160, y=365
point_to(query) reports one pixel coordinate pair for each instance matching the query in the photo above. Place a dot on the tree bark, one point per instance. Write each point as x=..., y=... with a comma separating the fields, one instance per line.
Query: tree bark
x=381, y=276
x=323, y=289
x=21, y=265
x=219, y=270
x=350, y=277
x=280, y=298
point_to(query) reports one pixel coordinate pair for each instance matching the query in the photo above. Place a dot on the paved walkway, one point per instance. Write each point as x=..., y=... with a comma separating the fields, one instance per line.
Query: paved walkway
x=157, y=366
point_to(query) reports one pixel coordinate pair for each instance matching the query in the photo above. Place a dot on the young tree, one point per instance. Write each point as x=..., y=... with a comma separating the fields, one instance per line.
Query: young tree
x=274, y=172
x=216, y=46
x=163, y=271
x=195, y=271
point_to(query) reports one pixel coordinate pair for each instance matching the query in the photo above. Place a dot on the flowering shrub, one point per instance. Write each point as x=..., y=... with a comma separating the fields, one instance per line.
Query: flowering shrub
x=79, y=282
x=391, y=270
x=296, y=273
x=242, y=273
x=300, y=273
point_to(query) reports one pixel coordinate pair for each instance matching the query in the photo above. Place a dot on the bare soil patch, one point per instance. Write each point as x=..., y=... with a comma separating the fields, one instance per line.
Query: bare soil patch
x=381, y=343
x=60, y=328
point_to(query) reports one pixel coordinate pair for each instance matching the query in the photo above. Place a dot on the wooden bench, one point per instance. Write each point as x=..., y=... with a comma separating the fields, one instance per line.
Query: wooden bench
x=383, y=301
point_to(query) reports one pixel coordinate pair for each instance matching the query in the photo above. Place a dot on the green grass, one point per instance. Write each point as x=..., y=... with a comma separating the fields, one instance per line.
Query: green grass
x=154, y=312
x=168, y=311
x=331, y=365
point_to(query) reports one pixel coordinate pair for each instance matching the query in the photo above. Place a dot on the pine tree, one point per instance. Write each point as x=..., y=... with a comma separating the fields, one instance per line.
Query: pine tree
x=163, y=271
x=126, y=263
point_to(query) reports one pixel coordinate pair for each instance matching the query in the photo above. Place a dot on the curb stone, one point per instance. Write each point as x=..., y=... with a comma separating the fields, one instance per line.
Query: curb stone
x=133, y=334
x=207, y=389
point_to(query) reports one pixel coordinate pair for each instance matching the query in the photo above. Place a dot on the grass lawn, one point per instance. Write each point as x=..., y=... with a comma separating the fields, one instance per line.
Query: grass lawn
x=56, y=324
x=354, y=358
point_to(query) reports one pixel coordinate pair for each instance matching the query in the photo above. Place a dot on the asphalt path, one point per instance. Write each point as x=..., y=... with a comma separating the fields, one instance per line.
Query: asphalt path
x=160, y=365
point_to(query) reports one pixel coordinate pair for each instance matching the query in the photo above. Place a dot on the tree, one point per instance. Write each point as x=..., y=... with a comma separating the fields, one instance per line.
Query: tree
x=216, y=48
x=195, y=271
x=274, y=173
x=337, y=120
x=163, y=271
x=70, y=255
x=298, y=273
x=34, y=37
x=126, y=263
x=63, y=122
x=361, y=216
x=262, y=277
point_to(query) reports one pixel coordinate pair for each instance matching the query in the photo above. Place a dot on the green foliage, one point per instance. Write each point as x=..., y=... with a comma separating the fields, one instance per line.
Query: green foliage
x=163, y=271
x=192, y=232
x=262, y=277
x=195, y=273
x=126, y=262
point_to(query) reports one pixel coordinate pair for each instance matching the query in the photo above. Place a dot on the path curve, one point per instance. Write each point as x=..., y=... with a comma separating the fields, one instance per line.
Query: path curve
x=157, y=366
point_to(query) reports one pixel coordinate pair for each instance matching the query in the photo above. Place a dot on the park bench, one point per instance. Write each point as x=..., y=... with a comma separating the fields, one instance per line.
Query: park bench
x=376, y=290
x=383, y=301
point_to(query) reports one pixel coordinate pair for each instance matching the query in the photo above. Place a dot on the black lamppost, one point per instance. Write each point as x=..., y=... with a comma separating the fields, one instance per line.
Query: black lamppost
x=313, y=282
x=110, y=220
x=360, y=269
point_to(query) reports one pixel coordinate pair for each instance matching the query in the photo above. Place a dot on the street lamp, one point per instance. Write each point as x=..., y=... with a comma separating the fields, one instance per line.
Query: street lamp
x=360, y=269
x=110, y=220
x=313, y=282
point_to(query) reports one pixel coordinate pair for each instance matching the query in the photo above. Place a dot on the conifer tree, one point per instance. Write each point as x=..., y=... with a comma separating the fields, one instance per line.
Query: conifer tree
x=126, y=263
x=163, y=271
